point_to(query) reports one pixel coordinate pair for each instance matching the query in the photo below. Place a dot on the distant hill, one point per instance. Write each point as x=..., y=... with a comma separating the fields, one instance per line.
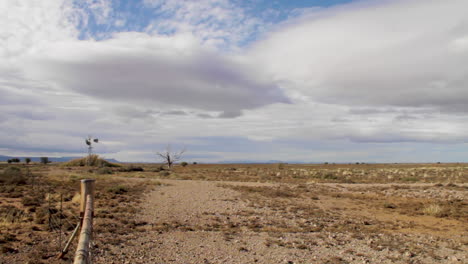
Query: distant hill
x=263, y=162
x=53, y=159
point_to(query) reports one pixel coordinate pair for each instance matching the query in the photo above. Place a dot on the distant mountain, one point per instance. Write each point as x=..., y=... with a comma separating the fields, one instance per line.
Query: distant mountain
x=263, y=162
x=53, y=159
x=65, y=159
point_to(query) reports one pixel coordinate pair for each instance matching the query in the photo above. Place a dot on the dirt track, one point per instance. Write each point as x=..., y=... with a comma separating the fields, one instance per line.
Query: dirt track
x=202, y=222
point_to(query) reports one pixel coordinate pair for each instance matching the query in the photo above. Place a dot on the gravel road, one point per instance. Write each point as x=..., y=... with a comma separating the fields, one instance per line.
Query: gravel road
x=202, y=222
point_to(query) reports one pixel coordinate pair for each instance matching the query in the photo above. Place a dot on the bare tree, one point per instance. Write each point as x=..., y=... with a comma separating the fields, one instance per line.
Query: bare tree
x=170, y=157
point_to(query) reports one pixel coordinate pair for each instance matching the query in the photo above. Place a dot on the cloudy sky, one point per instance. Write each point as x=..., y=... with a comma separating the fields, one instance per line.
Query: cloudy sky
x=314, y=81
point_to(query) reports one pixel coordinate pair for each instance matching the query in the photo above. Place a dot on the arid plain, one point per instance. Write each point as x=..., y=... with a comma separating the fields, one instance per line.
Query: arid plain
x=240, y=213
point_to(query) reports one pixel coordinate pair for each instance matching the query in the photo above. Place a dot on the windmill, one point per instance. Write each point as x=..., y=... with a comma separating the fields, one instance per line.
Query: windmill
x=89, y=142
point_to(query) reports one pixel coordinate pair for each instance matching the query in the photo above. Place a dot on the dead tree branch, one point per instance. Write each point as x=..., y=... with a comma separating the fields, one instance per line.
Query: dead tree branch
x=170, y=157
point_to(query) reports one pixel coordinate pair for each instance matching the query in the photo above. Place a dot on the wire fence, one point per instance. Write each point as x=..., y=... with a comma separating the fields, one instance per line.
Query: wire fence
x=53, y=221
x=60, y=224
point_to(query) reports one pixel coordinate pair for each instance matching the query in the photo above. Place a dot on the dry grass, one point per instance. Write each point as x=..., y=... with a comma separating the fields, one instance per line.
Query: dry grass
x=297, y=210
x=347, y=214
x=433, y=210
x=13, y=175
x=25, y=211
x=93, y=161
x=271, y=192
x=307, y=173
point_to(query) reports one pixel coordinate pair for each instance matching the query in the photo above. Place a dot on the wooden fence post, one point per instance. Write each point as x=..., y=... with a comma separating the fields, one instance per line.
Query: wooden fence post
x=86, y=213
x=87, y=188
x=82, y=250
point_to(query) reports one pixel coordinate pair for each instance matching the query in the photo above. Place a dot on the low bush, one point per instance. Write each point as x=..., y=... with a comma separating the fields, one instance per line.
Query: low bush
x=434, y=210
x=92, y=160
x=164, y=173
x=131, y=168
x=12, y=214
x=104, y=170
x=330, y=176
x=119, y=189
x=13, y=175
x=281, y=166
x=158, y=169
x=31, y=201
x=45, y=160
x=409, y=179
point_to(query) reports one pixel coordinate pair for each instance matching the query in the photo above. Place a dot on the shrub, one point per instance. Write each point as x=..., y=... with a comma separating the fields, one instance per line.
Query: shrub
x=12, y=171
x=164, y=173
x=92, y=160
x=195, y=163
x=183, y=164
x=45, y=160
x=27, y=160
x=281, y=166
x=409, y=179
x=105, y=170
x=13, y=175
x=330, y=176
x=434, y=210
x=41, y=215
x=11, y=214
x=135, y=168
x=31, y=201
x=131, y=168
x=119, y=189
x=158, y=169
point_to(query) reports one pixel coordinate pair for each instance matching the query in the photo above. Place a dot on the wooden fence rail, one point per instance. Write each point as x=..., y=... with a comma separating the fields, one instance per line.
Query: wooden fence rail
x=82, y=255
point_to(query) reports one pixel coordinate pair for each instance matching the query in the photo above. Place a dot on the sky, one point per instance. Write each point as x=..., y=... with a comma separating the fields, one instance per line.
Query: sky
x=236, y=80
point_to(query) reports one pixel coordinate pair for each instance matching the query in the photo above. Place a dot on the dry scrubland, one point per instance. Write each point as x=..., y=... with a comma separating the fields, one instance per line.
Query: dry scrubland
x=278, y=213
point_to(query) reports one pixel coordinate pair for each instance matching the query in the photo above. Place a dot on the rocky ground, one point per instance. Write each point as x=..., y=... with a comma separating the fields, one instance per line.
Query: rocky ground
x=187, y=221
x=256, y=213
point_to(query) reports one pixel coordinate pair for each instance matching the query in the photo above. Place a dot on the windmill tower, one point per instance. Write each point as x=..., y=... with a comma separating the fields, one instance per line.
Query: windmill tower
x=89, y=142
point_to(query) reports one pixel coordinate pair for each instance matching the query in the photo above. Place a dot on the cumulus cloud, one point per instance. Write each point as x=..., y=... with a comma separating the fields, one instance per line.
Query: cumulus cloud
x=387, y=53
x=348, y=79
x=147, y=69
x=27, y=26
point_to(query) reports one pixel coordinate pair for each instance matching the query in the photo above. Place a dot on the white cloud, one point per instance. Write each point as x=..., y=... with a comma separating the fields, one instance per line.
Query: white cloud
x=101, y=9
x=145, y=69
x=371, y=72
x=390, y=53
x=29, y=25
x=217, y=23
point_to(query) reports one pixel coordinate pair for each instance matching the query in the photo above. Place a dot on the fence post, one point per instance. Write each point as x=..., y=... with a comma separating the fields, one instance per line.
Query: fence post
x=82, y=250
x=87, y=188
x=86, y=215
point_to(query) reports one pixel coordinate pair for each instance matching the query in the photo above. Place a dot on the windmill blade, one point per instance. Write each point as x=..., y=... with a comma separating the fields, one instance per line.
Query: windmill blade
x=88, y=142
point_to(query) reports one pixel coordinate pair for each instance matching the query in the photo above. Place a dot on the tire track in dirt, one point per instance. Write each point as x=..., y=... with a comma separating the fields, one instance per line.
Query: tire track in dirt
x=195, y=222
x=179, y=215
